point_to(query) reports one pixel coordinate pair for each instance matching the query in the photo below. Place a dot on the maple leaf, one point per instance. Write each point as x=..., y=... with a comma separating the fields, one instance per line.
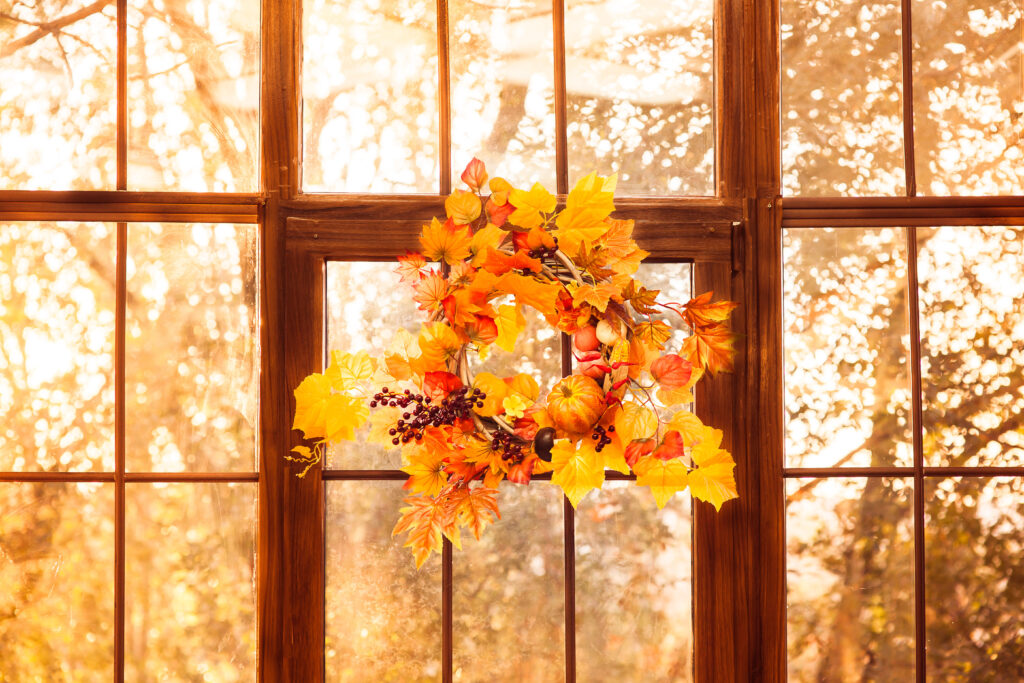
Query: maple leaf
x=596, y=295
x=439, y=384
x=475, y=174
x=665, y=478
x=442, y=242
x=671, y=371
x=426, y=520
x=594, y=193
x=347, y=370
x=711, y=348
x=640, y=298
x=579, y=226
x=396, y=360
x=530, y=205
x=510, y=322
x=381, y=420
x=653, y=333
x=499, y=262
x=426, y=471
x=411, y=267
x=460, y=307
x=524, y=385
x=462, y=207
x=482, y=330
x=529, y=291
x=476, y=508
x=577, y=471
x=312, y=398
x=495, y=390
x=345, y=414
x=634, y=421
x=701, y=311
x=438, y=346
x=712, y=480
x=431, y=290
x=486, y=238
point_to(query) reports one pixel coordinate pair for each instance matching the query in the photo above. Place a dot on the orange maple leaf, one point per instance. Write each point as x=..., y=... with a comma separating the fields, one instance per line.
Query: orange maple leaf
x=445, y=242
x=529, y=291
x=710, y=347
x=702, y=311
x=430, y=292
x=475, y=508
x=427, y=520
x=411, y=267
x=499, y=262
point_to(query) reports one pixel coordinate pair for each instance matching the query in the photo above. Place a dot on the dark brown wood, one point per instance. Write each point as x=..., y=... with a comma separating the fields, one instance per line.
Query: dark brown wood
x=884, y=222
x=364, y=475
x=303, y=499
x=447, y=596
x=128, y=206
x=907, y=58
x=106, y=477
x=367, y=240
x=568, y=544
x=790, y=204
x=120, y=320
x=444, y=97
x=836, y=472
x=279, y=179
x=561, y=105
x=917, y=431
x=191, y=477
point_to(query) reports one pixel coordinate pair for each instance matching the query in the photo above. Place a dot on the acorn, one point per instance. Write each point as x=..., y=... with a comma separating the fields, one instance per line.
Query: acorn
x=543, y=441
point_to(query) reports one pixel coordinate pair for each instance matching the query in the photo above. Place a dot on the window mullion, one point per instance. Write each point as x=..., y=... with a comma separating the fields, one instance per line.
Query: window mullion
x=561, y=113
x=917, y=431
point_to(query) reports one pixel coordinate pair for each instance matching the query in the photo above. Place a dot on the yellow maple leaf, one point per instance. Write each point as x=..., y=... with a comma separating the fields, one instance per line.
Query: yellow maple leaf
x=525, y=386
x=595, y=193
x=348, y=370
x=441, y=243
x=634, y=421
x=664, y=477
x=312, y=397
x=488, y=237
x=596, y=295
x=462, y=207
x=426, y=471
x=713, y=480
x=530, y=205
x=345, y=414
x=510, y=321
x=383, y=419
x=578, y=226
x=576, y=470
x=615, y=455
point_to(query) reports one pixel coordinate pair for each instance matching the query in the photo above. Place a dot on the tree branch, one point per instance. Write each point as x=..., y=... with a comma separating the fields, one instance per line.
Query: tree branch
x=52, y=27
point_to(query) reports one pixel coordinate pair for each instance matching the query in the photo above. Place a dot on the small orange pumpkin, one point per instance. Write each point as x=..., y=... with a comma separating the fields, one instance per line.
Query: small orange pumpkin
x=575, y=404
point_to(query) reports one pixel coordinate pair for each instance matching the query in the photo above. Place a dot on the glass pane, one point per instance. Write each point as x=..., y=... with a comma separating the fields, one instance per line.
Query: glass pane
x=846, y=348
x=192, y=352
x=383, y=616
x=502, y=89
x=538, y=353
x=190, y=586
x=509, y=600
x=850, y=579
x=968, y=97
x=366, y=305
x=974, y=531
x=57, y=346
x=842, y=90
x=972, y=355
x=369, y=88
x=633, y=587
x=193, y=95
x=641, y=93
x=57, y=104
x=674, y=281
x=57, y=572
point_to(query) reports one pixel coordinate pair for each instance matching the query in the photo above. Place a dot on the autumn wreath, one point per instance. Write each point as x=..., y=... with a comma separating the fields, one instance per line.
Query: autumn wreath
x=461, y=434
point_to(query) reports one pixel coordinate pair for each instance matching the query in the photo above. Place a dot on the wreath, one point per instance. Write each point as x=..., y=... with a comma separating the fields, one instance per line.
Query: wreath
x=461, y=433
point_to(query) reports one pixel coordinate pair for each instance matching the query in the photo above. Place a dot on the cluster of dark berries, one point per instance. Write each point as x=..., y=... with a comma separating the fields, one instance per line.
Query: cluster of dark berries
x=510, y=445
x=545, y=252
x=424, y=413
x=600, y=435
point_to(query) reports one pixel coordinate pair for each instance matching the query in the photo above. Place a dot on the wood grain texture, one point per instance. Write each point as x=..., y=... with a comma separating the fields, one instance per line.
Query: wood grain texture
x=278, y=179
x=128, y=206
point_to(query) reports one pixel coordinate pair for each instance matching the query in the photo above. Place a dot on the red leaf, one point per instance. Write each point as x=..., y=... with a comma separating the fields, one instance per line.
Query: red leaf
x=637, y=449
x=475, y=174
x=439, y=384
x=671, y=371
x=671, y=446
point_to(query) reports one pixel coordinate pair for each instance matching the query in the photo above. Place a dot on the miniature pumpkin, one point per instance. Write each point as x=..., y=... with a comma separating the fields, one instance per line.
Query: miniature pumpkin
x=575, y=404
